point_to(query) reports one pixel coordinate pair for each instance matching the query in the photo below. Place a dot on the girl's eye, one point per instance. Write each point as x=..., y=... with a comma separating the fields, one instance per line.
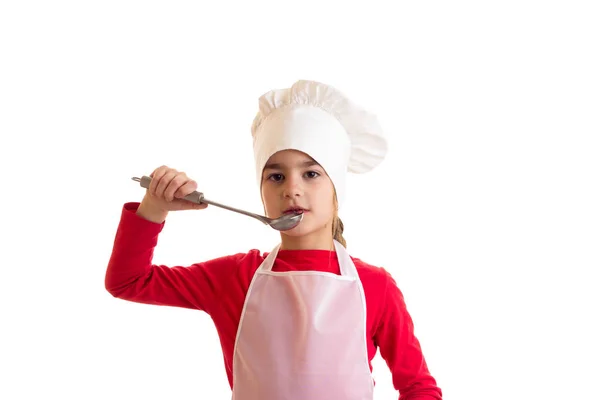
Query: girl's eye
x=312, y=174
x=275, y=177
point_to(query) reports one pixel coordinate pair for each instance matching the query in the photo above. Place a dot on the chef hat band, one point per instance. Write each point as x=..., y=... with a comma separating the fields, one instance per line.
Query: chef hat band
x=320, y=121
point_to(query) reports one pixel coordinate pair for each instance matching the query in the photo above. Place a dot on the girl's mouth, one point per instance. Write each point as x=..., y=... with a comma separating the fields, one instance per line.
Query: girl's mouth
x=294, y=211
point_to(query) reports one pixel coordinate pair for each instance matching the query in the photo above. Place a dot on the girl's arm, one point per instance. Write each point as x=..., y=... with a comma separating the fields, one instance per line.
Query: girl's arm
x=131, y=276
x=401, y=349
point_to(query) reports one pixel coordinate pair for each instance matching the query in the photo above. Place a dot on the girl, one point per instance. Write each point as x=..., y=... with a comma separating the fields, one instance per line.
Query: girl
x=305, y=320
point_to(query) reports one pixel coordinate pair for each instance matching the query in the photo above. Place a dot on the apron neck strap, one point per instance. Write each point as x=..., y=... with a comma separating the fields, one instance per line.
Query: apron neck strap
x=347, y=267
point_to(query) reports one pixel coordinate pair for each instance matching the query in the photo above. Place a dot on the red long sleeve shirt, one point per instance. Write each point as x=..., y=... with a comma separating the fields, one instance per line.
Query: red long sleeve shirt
x=218, y=287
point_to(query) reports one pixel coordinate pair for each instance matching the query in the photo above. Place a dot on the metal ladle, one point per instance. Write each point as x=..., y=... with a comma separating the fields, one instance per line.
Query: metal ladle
x=283, y=223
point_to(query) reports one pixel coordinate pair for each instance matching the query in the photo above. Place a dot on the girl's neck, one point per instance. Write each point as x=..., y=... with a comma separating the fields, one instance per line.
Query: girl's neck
x=308, y=242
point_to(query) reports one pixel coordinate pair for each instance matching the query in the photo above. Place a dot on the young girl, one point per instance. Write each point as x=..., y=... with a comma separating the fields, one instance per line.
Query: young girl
x=305, y=320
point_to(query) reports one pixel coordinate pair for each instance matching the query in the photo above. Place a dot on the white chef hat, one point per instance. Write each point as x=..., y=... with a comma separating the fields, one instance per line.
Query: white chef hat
x=320, y=121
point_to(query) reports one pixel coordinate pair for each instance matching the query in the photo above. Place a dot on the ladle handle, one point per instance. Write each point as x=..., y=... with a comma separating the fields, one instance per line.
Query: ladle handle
x=198, y=197
x=195, y=197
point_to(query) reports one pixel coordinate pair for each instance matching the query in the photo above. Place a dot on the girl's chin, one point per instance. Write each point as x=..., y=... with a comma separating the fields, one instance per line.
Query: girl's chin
x=295, y=232
x=303, y=229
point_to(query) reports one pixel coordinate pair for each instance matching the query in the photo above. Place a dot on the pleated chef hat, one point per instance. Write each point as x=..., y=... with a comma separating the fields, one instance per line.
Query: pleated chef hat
x=320, y=121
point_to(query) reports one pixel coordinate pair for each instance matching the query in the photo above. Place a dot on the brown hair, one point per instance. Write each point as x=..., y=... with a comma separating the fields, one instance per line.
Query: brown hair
x=338, y=225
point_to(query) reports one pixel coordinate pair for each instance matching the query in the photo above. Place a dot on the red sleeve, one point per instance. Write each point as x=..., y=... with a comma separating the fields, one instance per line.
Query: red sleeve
x=131, y=276
x=401, y=349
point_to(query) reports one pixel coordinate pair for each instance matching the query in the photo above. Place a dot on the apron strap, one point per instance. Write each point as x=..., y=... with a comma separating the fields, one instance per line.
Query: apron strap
x=347, y=267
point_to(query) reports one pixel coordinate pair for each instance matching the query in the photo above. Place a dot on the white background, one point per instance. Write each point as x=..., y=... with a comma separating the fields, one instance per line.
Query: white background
x=486, y=211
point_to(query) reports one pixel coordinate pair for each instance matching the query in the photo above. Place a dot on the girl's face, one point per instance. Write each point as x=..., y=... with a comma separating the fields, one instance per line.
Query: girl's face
x=291, y=181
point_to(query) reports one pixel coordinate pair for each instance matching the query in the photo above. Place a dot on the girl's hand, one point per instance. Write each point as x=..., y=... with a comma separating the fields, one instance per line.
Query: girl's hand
x=166, y=193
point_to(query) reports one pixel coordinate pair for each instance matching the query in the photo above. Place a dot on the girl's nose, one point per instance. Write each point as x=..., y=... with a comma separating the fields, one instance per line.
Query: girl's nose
x=292, y=188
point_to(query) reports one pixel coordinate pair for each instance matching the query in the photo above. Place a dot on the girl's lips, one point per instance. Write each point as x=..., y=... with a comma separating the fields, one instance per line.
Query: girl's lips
x=294, y=211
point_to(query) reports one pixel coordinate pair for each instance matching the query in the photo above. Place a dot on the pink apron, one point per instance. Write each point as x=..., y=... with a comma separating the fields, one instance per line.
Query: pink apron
x=302, y=336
